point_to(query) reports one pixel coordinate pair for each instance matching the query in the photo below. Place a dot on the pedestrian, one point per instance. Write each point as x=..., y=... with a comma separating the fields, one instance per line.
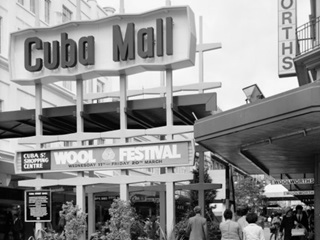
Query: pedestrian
x=287, y=224
x=253, y=231
x=261, y=218
x=230, y=230
x=197, y=226
x=8, y=225
x=242, y=220
x=17, y=227
x=301, y=218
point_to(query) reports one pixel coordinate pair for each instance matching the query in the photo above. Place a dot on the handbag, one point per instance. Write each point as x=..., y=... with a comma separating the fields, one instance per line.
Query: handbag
x=297, y=232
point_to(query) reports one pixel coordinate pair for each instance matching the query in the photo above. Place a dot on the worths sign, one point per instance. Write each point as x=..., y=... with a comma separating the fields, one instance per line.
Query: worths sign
x=163, y=154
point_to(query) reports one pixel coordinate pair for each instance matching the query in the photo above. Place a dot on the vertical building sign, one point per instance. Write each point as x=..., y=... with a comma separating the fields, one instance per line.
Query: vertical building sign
x=287, y=24
x=38, y=206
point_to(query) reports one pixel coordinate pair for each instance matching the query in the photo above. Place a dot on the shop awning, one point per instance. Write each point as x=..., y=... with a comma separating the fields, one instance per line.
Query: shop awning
x=278, y=135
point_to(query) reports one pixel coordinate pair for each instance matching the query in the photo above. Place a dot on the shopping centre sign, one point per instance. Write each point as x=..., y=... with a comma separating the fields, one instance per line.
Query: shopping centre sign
x=139, y=155
x=120, y=44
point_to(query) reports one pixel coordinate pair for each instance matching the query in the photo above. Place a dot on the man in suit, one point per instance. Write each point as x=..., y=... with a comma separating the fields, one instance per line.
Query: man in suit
x=197, y=226
x=301, y=217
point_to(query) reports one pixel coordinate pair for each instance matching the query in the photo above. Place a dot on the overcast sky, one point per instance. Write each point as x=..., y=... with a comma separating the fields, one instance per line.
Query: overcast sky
x=247, y=30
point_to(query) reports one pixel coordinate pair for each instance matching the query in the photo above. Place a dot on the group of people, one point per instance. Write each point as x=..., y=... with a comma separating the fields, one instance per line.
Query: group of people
x=245, y=228
x=293, y=220
x=250, y=225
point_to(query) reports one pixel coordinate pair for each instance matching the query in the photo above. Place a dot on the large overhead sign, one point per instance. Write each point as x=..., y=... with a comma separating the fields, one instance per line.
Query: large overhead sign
x=120, y=44
x=293, y=181
x=287, y=24
x=139, y=155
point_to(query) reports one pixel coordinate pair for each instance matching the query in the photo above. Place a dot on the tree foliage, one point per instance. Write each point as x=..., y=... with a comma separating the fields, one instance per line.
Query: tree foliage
x=249, y=192
x=75, y=221
x=209, y=195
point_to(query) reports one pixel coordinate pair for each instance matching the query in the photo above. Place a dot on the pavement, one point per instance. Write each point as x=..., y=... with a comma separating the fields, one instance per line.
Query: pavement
x=266, y=233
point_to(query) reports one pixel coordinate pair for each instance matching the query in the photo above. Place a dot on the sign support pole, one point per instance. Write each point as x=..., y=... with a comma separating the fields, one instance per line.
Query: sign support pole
x=170, y=192
x=124, y=188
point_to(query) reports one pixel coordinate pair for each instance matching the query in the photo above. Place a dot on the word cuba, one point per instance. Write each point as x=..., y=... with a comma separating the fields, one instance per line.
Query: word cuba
x=67, y=53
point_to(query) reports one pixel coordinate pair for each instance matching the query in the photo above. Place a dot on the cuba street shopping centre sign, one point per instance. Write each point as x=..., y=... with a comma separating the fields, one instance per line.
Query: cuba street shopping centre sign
x=139, y=155
x=120, y=44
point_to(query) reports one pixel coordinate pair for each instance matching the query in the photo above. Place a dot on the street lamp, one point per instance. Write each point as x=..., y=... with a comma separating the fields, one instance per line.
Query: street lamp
x=253, y=93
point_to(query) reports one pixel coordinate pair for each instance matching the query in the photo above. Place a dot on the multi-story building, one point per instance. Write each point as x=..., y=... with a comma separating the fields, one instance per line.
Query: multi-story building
x=18, y=15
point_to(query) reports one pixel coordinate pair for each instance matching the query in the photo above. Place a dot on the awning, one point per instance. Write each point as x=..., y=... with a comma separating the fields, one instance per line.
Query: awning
x=278, y=135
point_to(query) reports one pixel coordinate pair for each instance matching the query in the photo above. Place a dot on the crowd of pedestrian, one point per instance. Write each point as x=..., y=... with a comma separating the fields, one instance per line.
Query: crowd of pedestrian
x=292, y=224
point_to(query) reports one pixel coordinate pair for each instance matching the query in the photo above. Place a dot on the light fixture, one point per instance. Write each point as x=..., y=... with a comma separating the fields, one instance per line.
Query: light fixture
x=253, y=93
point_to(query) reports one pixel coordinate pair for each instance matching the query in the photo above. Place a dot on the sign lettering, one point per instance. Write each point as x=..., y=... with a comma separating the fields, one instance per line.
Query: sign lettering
x=287, y=37
x=293, y=181
x=125, y=48
x=310, y=192
x=118, y=44
x=66, y=55
x=129, y=156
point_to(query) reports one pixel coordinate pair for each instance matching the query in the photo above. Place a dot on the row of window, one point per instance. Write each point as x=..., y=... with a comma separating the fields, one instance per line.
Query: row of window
x=66, y=13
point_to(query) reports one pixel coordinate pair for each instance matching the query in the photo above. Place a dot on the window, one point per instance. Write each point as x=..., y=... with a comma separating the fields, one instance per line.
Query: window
x=47, y=11
x=21, y=2
x=32, y=6
x=100, y=86
x=67, y=85
x=66, y=14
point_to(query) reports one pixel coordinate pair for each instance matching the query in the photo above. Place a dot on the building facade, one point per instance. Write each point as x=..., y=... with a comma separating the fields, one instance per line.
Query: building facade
x=14, y=16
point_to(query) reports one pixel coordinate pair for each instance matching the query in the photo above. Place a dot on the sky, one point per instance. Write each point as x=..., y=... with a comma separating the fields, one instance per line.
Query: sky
x=248, y=33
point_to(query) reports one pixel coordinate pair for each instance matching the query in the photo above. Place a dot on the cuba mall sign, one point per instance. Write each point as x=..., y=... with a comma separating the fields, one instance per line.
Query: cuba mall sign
x=119, y=44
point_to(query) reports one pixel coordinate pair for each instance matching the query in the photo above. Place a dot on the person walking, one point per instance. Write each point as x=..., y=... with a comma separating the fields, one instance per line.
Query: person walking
x=275, y=227
x=287, y=224
x=252, y=231
x=230, y=230
x=197, y=226
x=17, y=227
x=242, y=220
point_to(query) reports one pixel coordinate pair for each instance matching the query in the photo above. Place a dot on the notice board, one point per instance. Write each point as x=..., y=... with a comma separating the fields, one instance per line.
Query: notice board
x=37, y=206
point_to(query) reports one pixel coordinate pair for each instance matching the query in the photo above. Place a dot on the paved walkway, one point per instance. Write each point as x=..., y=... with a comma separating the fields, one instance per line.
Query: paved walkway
x=267, y=233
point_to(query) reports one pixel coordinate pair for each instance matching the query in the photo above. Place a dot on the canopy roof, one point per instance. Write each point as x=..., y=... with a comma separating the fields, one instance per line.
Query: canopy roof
x=278, y=135
x=101, y=117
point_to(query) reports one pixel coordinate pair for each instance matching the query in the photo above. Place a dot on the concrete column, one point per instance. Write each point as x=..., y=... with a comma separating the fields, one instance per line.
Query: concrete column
x=201, y=199
x=169, y=115
x=124, y=192
x=38, y=225
x=162, y=213
x=317, y=197
x=79, y=108
x=171, y=210
x=38, y=111
x=81, y=199
x=227, y=186
x=91, y=214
